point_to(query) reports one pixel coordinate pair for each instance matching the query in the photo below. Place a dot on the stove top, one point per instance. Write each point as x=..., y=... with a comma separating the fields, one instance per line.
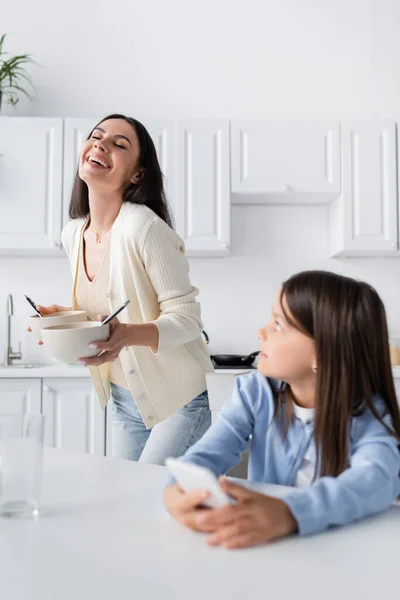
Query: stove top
x=221, y=368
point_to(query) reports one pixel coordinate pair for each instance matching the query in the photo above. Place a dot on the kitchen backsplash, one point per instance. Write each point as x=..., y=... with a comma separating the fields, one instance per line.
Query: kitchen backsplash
x=269, y=243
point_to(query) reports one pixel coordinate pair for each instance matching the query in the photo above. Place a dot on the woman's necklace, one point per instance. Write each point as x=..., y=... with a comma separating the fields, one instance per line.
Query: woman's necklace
x=99, y=235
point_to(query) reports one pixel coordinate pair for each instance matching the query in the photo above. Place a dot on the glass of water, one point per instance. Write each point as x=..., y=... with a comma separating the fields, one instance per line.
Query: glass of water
x=21, y=464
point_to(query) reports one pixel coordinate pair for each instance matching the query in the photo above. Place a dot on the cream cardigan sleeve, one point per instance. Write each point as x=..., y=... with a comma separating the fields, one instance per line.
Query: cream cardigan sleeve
x=162, y=253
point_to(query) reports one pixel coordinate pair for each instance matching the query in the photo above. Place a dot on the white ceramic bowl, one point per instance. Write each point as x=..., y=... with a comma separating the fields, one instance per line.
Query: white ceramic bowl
x=70, y=342
x=58, y=318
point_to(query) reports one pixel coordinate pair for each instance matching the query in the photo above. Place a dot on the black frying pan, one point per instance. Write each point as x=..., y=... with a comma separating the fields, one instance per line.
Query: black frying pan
x=234, y=360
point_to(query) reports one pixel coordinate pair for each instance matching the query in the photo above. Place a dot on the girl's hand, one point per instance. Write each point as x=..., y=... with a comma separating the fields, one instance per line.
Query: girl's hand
x=185, y=507
x=111, y=348
x=47, y=310
x=255, y=520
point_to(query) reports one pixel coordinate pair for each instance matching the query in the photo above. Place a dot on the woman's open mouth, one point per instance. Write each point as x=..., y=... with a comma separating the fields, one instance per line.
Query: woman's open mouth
x=97, y=161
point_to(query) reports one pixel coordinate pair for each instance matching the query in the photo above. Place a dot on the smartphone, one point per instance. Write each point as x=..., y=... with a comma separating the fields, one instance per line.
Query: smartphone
x=192, y=477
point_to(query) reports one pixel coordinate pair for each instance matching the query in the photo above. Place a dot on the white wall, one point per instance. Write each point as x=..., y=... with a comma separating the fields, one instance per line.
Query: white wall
x=210, y=57
x=259, y=58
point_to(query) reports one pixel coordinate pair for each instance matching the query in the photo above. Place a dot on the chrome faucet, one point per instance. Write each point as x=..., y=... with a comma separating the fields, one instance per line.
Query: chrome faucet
x=11, y=354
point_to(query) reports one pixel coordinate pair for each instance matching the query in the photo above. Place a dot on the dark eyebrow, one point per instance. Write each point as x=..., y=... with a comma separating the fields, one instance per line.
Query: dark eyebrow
x=118, y=135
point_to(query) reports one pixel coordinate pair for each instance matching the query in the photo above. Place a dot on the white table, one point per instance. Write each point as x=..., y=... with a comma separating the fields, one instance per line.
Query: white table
x=103, y=534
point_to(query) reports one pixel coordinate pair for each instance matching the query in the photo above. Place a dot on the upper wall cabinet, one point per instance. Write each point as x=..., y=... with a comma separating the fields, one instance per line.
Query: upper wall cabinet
x=30, y=185
x=203, y=194
x=285, y=162
x=364, y=220
x=194, y=159
x=76, y=132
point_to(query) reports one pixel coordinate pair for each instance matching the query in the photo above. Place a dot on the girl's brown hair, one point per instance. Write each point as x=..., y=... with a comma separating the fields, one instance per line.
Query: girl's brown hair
x=347, y=321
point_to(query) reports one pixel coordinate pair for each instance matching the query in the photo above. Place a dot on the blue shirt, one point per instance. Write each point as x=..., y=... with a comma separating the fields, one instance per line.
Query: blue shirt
x=368, y=486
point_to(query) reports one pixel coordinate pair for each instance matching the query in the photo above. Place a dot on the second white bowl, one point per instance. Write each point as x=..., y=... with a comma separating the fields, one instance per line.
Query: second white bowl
x=70, y=342
x=57, y=318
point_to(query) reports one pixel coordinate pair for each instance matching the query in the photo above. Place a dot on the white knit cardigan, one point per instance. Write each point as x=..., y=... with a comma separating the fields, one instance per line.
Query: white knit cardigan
x=148, y=266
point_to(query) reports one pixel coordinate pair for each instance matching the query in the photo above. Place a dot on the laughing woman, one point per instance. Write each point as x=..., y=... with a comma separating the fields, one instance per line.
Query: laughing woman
x=121, y=245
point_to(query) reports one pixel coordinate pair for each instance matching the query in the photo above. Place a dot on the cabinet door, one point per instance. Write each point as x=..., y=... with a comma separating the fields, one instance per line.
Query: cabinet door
x=285, y=162
x=220, y=387
x=77, y=131
x=74, y=419
x=30, y=184
x=364, y=221
x=20, y=395
x=203, y=194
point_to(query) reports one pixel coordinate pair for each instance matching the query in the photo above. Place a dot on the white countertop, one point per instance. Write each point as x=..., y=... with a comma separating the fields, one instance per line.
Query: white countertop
x=395, y=370
x=103, y=533
x=42, y=371
x=62, y=370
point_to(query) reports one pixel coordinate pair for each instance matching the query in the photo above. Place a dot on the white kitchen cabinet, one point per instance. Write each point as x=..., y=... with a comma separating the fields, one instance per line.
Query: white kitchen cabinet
x=30, y=185
x=194, y=159
x=20, y=395
x=76, y=132
x=220, y=385
x=74, y=419
x=285, y=162
x=203, y=191
x=363, y=221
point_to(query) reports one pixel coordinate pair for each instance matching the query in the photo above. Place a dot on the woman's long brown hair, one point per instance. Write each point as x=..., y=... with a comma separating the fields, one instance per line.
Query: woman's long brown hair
x=347, y=321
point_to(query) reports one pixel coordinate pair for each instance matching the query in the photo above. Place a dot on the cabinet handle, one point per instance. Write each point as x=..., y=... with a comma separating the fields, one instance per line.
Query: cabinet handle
x=46, y=388
x=54, y=244
x=286, y=188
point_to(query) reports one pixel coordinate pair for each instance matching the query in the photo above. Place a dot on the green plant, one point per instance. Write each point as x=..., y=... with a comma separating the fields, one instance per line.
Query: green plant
x=14, y=79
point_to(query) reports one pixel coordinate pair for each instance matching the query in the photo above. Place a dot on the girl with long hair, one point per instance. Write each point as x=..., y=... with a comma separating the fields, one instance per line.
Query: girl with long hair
x=322, y=415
